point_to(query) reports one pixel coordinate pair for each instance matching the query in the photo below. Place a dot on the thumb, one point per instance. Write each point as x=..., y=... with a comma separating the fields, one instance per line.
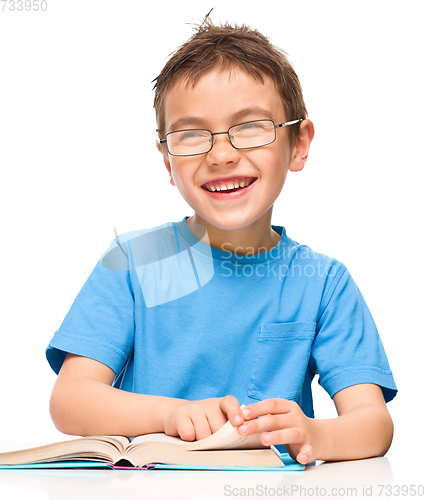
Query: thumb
x=305, y=455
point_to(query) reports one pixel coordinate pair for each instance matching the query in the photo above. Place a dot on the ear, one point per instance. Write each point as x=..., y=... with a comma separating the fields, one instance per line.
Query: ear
x=301, y=148
x=163, y=151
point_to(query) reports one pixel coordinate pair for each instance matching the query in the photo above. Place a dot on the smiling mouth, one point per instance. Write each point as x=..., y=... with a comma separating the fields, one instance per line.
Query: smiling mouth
x=229, y=185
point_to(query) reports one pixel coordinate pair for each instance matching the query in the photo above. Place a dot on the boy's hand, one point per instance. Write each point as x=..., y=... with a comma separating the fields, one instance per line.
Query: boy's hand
x=196, y=420
x=363, y=428
x=282, y=422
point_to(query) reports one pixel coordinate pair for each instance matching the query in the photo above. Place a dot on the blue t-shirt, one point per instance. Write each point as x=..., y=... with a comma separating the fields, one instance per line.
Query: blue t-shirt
x=173, y=316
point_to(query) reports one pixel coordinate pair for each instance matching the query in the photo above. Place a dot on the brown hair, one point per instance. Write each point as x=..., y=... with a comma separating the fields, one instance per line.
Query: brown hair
x=229, y=45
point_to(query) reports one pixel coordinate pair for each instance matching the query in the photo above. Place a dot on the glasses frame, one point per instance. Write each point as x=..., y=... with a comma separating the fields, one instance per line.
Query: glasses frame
x=278, y=125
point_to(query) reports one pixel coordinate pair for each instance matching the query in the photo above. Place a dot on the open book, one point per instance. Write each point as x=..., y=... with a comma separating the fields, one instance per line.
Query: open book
x=224, y=448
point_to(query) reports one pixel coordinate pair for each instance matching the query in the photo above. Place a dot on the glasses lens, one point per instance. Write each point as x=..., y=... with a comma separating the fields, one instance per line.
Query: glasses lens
x=252, y=134
x=189, y=142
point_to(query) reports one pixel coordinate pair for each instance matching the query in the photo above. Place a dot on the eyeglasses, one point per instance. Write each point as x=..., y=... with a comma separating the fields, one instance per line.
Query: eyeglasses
x=247, y=135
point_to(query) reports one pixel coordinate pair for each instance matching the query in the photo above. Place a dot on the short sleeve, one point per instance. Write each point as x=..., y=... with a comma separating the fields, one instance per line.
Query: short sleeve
x=347, y=349
x=100, y=322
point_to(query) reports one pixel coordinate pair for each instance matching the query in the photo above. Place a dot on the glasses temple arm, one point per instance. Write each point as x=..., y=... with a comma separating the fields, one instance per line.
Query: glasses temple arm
x=289, y=123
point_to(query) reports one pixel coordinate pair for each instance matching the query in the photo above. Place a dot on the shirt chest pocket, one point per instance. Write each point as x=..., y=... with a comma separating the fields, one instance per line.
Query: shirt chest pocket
x=281, y=360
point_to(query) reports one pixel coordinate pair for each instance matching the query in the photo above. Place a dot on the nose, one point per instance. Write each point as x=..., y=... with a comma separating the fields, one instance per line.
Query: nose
x=222, y=152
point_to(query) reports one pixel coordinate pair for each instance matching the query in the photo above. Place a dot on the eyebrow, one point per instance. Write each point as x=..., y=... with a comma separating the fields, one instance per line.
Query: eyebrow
x=253, y=112
x=186, y=122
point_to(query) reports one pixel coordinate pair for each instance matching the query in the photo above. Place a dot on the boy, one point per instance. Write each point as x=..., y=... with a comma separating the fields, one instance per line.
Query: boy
x=179, y=325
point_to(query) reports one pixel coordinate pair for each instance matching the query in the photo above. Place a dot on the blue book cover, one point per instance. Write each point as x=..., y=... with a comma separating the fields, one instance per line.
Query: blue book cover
x=289, y=465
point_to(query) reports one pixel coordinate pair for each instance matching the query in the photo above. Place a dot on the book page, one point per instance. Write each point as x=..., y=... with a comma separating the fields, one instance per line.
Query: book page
x=102, y=448
x=158, y=437
x=124, y=441
x=226, y=438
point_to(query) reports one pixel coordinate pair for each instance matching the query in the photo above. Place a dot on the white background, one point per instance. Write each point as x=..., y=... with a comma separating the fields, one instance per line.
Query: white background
x=78, y=157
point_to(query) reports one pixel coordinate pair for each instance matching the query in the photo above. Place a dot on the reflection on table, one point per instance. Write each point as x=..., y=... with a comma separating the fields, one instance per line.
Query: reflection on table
x=323, y=479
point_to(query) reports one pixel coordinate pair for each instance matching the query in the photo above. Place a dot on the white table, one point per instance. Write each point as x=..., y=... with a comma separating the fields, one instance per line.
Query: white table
x=356, y=479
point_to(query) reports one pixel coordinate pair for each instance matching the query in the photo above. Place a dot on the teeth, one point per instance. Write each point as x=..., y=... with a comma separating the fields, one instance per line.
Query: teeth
x=230, y=185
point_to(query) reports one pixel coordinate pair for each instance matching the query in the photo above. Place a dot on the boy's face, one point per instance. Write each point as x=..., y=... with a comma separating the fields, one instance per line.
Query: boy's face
x=219, y=100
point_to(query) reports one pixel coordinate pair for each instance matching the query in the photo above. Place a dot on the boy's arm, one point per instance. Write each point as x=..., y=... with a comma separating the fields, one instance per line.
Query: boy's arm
x=84, y=403
x=363, y=428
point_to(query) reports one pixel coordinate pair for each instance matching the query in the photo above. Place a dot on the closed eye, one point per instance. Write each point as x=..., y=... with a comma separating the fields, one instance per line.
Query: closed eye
x=191, y=134
x=255, y=125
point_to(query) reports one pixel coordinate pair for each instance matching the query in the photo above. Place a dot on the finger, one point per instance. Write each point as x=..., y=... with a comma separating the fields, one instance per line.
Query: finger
x=216, y=421
x=185, y=429
x=268, y=406
x=231, y=408
x=266, y=423
x=292, y=435
x=201, y=426
x=305, y=455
